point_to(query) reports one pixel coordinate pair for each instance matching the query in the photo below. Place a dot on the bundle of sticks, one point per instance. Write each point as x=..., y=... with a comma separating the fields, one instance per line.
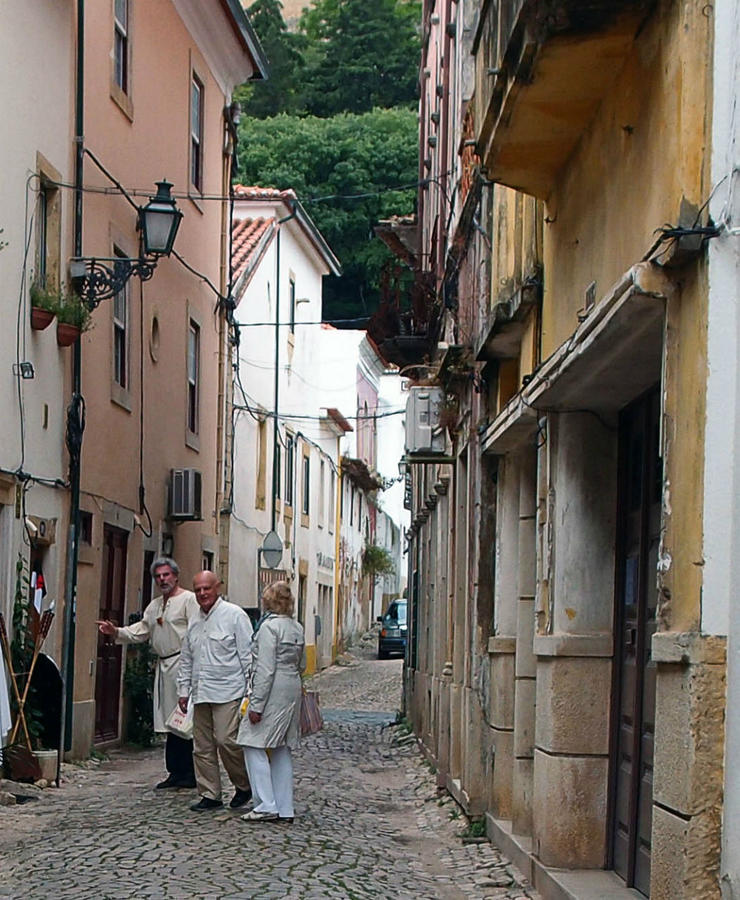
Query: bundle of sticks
x=21, y=759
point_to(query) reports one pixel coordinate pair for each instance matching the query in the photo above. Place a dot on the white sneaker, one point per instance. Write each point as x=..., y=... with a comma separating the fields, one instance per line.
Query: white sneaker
x=254, y=816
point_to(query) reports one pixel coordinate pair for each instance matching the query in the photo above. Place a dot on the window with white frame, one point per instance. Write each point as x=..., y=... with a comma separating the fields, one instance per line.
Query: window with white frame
x=306, y=499
x=48, y=234
x=278, y=469
x=193, y=376
x=121, y=331
x=331, y=512
x=121, y=45
x=289, y=470
x=322, y=492
x=196, y=133
x=292, y=305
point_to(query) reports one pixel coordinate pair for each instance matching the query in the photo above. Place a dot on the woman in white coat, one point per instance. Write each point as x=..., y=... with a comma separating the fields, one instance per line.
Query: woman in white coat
x=274, y=711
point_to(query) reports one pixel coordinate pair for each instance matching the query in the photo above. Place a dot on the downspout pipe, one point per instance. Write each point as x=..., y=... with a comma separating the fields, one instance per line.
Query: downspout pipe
x=75, y=425
x=275, y=426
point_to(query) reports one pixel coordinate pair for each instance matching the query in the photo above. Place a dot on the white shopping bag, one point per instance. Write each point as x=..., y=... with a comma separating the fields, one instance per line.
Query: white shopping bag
x=181, y=723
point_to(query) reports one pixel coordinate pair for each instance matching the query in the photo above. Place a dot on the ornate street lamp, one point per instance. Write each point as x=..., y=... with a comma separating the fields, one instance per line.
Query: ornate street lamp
x=99, y=278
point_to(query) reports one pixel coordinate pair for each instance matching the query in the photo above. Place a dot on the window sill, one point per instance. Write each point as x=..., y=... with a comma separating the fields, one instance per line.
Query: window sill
x=122, y=101
x=120, y=396
x=196, y=198
x=86, y=555
x=192, y=440
x=305, y=520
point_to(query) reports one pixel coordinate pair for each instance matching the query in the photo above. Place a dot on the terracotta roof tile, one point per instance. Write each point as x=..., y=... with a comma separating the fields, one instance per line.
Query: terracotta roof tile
x=244, y=192
x=247, y=240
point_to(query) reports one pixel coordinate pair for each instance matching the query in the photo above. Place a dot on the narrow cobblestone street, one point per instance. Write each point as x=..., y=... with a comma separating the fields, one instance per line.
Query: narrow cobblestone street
x=369, y=823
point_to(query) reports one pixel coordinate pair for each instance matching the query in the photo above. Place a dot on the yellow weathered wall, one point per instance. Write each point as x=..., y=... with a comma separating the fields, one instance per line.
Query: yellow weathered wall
x=646, y=150
x=643, y=151
x=516, y=250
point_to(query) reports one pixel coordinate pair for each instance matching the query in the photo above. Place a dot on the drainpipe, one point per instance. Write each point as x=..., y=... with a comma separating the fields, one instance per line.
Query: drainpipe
x=75, y=426
x=337, y=551
x=275, y=427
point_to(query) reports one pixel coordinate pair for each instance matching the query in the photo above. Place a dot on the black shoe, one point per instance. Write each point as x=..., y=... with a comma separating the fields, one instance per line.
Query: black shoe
x=169, y=782
x=240, y=798
x=185, y=783
x=285, y=820
x=206, y=803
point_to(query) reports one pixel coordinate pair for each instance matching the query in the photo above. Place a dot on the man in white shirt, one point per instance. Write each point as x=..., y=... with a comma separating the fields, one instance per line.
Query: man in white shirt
x=164, y=624
x=215, y=661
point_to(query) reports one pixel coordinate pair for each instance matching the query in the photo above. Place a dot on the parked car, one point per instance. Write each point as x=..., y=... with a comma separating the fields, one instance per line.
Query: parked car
x=392, y=637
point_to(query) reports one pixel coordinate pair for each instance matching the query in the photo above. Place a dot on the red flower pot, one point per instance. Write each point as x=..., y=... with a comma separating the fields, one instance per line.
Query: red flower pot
x=40, y=318
x=66, y=334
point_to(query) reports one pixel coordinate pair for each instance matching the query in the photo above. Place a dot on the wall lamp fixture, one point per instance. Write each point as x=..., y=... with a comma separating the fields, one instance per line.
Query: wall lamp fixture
x=99, y=278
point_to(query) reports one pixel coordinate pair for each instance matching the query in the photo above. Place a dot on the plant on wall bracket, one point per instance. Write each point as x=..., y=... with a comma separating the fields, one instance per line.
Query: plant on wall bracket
x=377, y=561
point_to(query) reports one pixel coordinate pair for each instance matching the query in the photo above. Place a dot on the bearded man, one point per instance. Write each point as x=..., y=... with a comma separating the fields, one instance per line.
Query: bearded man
x=164, y=624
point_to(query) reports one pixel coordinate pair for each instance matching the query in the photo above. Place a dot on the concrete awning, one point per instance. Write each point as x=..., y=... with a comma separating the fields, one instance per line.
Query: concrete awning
x=613, y=356
x=513, y=428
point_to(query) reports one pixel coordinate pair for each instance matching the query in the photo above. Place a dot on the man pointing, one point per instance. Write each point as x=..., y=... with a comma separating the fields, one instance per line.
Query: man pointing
x=164, y=624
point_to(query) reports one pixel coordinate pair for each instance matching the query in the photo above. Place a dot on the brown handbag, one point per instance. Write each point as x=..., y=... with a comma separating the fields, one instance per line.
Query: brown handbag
x=311, y=720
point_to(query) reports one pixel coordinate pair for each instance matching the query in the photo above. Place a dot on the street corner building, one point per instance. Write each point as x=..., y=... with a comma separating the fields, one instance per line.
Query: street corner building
x=571, y=338
x=114, y=451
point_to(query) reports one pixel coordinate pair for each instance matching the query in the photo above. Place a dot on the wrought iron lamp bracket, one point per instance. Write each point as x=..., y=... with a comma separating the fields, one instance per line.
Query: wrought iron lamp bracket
x=99, y=278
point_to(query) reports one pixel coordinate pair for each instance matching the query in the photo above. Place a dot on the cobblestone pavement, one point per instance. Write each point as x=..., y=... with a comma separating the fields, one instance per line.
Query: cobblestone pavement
x=369, y=823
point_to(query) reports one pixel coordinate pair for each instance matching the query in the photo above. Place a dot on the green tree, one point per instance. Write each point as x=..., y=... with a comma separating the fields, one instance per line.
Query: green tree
x=328, y=162
x=281, y=91
x=360, y=54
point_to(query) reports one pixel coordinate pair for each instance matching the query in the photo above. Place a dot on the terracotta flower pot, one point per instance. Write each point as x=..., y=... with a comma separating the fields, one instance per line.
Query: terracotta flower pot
x=40, y=318
x=66, y=334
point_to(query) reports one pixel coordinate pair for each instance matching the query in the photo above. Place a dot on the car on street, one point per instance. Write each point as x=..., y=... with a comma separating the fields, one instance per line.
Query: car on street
x=392, y=636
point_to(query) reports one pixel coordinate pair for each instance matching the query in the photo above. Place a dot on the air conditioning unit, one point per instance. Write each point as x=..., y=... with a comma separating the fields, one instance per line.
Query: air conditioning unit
x=185, y=491
x=423, y=431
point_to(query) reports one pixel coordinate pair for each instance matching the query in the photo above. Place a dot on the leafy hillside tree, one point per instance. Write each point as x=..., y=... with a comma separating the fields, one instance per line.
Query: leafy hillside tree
x=281, y=91
x=360, y=54
x=344, y=155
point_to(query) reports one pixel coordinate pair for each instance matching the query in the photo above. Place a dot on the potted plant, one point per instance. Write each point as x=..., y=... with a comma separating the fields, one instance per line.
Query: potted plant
x=73, y=317
x=44, y=302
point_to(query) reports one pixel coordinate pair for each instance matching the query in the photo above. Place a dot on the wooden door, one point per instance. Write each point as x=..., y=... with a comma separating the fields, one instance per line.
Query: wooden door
x=638, y=535
x=112, y=605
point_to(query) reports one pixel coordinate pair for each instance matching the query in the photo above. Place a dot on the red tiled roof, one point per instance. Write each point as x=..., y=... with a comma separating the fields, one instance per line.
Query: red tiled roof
x=247, y=242
x=334, y=414
x=262, y=193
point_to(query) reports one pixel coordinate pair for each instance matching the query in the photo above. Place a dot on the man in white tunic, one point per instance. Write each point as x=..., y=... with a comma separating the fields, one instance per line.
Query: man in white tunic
x=164, y=624
x=216, y=656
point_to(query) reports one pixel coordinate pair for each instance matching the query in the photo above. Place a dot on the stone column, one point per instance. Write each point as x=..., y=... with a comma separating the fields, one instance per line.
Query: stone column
x=458, y=528
x=440, y=688
x=525, y=672
x=688, y=766
x=502, y=646
x=574, y=655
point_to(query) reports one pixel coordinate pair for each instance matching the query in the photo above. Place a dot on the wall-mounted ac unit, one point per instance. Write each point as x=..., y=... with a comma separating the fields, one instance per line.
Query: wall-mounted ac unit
x=185, y=491
x=423, y=431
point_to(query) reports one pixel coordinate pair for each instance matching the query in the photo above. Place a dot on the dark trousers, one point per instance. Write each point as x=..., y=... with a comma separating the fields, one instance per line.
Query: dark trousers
x=178, y=758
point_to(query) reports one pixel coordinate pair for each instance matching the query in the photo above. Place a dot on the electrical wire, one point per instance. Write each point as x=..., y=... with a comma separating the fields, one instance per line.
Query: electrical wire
x=357, y=319
x=269, y=414
x=184, y=195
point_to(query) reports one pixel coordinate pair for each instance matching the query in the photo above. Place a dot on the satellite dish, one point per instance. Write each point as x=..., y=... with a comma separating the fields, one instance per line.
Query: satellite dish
x=272, y=550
